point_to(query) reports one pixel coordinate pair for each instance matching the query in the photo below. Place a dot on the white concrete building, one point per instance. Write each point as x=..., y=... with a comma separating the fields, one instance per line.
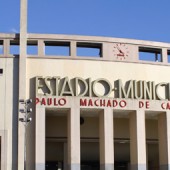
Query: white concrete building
x=98, y=102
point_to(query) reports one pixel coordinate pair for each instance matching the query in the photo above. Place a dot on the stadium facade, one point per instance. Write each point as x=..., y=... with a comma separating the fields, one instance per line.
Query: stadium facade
x=97, y=102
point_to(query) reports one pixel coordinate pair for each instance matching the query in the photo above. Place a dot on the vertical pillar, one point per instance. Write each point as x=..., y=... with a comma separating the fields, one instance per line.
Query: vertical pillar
x=6, y=47
x=164, y=55
x=73, y=48
x=106, y=50
x=41, y=48
x=40, y=139
x=22, y=77
x=164, y=140
x=106, y=140
x=137, y=140
x=23, y=50
x=74, y=138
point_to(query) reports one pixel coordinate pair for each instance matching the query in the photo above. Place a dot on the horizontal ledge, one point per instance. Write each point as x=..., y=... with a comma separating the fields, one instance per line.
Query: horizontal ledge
x=100, y=39
x=95, y=139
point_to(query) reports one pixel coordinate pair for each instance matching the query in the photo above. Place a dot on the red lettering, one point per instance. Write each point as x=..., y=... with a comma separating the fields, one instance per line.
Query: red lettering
x=165, y=106
x=83, y=102
x=141, y=104
x=168, y=106
x=43, y=102
x=90, y=102
x=115, y=103
x=162, y=105
x=55, y=102
x=62, y=102
x=49, y=101
x=108, y=103
x=37, y=101
x=95, y=103
x=147, y=105
x=122, y=103
x=144, y=104
x=102, y=103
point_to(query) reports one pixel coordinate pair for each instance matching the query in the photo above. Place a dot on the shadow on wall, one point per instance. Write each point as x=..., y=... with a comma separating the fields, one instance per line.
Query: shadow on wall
x=31, y=128
x=15, y=113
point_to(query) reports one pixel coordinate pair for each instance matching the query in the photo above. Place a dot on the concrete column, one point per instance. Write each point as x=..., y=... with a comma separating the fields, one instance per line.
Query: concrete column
x=106, y=50
x=41, y=48
x=73, y=48
x=74, y=138
x=164, y=55
x=22, y=77
x=106, y=140
x=164, y=140
x=137, y=140
x=6, y=47
x=40, y=139
x=23, y=50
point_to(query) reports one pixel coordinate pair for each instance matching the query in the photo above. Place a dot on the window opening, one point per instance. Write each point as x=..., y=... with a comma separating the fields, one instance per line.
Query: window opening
x=14, y=48
x=90, y=148
x=121, y=142
x=152, y=141
x=1, y=47
x=32, y=48
x=89, y=50
x=1, y=71
x=56, y=140
x=168, y=53
x=150, y=54
x=57, y=48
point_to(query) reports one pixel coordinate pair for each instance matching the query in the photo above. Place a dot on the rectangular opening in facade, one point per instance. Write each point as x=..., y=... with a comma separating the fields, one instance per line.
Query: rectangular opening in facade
x=121, y=141
x=89, y=49
x=54, y=48
x=168, y=53
x=152, y=141
x=14, y=48
x=150, y=54
x=32, y=48
x=89, y=134
x=56, y=139
x=1, y=71
x=1, y=47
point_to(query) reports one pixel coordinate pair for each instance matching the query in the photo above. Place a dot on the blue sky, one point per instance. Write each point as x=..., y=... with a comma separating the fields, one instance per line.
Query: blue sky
x=134, y=19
